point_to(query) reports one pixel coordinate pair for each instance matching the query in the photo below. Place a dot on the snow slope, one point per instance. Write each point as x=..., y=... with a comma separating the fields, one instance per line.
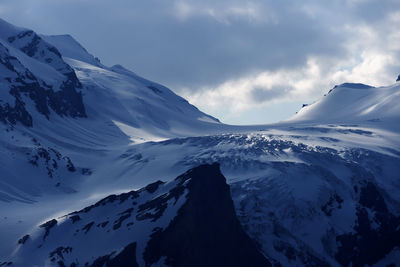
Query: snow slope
x=70, y=48
x=137, y=106
x=356, y=103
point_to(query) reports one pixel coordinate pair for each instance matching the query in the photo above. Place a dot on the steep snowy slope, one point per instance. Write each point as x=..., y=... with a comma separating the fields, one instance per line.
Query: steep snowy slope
x=135, y=104
x=139, y=107
x=356, y=103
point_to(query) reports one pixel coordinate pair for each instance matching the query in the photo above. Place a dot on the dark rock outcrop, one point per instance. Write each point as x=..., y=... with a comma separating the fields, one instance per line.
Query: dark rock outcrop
x=355, y=85
x=376, y=233
x=47, y=226
x=127, y=257
x=206, y=231
x=352, y=86
x=64, y=99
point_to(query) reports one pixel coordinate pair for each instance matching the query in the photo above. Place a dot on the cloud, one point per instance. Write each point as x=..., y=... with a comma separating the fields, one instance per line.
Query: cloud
x=369, y=53
x=248, y=12
x=261, y=95
x=261, y=89
x=229, y=55
x=189, y=43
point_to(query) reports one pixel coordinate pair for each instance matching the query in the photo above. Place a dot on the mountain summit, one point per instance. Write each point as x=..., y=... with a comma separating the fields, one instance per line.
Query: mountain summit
x=34, y=73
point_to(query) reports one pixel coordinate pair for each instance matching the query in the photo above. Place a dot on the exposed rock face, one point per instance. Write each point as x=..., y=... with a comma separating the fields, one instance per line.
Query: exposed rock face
x=190, y=221
x=19, y=77
x=35, y=47
x=14, y=72
x=375, y=234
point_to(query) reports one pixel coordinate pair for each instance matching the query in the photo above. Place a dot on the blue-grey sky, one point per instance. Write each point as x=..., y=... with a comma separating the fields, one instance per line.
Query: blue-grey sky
x=241, y=61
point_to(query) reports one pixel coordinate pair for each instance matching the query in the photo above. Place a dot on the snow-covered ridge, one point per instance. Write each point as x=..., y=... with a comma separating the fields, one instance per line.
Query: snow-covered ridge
x=353, y=86
x=148, y=227
x=34, y=78
x=35, y=47
x=70, y=48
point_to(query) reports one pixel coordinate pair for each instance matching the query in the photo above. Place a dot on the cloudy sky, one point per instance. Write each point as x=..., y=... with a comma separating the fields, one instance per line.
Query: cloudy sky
x=241, y=61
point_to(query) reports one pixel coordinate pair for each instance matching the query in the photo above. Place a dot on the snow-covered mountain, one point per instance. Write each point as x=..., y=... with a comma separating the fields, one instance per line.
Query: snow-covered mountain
x=34, y=64
x=320, y=189
x=356, y=103
x=63, y=114
x=53, y=103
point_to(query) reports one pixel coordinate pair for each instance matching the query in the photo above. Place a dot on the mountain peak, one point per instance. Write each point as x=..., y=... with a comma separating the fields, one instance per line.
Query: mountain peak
x=71, y=48
x=122, y=70
x=354, y=86
x=35, y=68
x=7, y=29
